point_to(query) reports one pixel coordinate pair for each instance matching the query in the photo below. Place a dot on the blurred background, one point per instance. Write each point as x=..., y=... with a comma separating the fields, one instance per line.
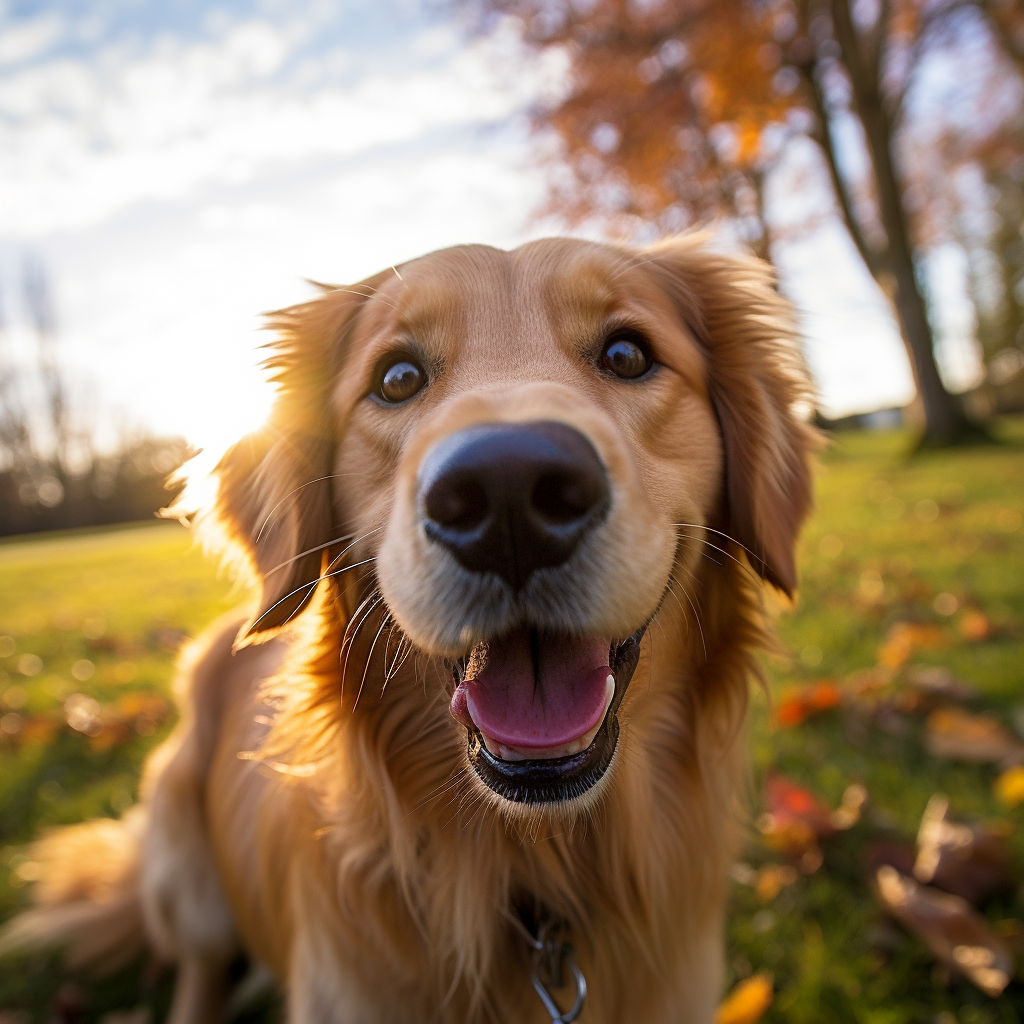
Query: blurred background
x=168, y=172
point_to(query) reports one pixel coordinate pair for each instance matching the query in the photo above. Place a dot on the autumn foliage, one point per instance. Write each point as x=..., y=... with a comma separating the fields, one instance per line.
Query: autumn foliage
x=679, y=113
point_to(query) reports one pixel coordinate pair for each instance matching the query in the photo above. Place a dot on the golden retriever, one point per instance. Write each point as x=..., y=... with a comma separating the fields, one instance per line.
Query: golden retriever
x=478, y=751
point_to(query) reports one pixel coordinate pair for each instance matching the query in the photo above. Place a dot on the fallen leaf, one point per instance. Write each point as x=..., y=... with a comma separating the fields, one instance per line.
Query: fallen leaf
x=747, y=1002
x=796, y=706
x=794, y=819
x=900, y=856
x=1011, y=931
x=772, y=879
x=790, y=711
x=850, y=807
x=869, y=680
x=1009, y=787
x=959, y=736
x=974, y=624
x=904, y=638
x=972, y=862
x=937, y=681
x=33, y=730
x=954, y=932
x=787, y=802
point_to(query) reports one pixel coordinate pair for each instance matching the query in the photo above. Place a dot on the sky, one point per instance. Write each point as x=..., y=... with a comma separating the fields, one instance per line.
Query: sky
x=182, y=167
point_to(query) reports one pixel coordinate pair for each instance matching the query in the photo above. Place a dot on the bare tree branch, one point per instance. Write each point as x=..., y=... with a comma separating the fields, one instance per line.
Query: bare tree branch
x=823, y=136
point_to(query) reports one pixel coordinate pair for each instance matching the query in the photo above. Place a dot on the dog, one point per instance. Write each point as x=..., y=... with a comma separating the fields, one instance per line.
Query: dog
x=477, y=752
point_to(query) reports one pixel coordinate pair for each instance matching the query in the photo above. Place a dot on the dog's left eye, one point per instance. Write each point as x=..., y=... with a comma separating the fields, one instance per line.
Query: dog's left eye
x=625, y=356
x=401, y=381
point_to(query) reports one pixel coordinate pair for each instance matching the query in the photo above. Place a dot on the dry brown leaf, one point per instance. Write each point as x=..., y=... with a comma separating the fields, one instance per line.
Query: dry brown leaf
x=955, y=933
x=972, y=862
x=960, y=736
x=937, y=681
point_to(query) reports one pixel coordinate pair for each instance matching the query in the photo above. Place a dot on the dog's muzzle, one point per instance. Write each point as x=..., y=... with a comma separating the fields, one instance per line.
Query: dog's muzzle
x=539, y=703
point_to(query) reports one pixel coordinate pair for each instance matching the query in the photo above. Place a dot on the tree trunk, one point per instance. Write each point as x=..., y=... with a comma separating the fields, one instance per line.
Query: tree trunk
x=945, y=420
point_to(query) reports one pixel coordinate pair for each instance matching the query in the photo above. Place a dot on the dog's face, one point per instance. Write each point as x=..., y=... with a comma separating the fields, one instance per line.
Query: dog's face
x=530, y=445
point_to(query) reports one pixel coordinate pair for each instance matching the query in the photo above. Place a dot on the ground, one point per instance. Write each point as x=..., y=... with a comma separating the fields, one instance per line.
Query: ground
x=907, y=562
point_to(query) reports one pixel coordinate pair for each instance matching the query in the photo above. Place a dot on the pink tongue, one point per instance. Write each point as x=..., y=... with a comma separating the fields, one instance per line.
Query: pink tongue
x=566, y=700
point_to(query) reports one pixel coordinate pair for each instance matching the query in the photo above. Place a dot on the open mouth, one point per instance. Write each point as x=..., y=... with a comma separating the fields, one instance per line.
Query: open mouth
x=541, y=710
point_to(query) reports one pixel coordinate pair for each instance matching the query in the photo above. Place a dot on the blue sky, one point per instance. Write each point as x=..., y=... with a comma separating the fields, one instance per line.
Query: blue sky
x=183, y=167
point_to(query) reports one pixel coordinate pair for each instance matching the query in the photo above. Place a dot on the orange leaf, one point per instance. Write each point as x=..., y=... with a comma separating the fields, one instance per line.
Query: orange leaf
x=974, y=625
x=825, y=695
x=1009, y=787
x=747, y=1002
x=791, y=711
x=903, y=638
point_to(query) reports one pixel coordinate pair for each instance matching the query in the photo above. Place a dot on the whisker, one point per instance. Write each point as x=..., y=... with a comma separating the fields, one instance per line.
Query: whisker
x=728, y=554
x=295, y=490
x=390, y=673
x=309, y=586
x=320, y=547
x=371, y=295
x=450, y=783
x=369, y=657
x=710, y=529
x=387, y=648
x=355, y=624
x=696, y=616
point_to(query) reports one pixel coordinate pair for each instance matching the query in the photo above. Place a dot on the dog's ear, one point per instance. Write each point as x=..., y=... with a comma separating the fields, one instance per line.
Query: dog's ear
x=274, y=503
x=757, y=382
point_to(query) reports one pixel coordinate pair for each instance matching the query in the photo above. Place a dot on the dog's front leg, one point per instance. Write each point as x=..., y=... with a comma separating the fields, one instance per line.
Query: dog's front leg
x=200, y=993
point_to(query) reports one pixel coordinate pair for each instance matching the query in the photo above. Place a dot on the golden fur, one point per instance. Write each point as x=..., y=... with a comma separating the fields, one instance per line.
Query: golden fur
x=314, y=806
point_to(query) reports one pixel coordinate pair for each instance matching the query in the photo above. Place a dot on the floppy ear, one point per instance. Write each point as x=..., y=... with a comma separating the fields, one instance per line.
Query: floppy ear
x=274, y=497
x=757, y=380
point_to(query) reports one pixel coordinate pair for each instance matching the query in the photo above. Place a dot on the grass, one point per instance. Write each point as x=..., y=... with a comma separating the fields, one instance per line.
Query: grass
x=891, y=534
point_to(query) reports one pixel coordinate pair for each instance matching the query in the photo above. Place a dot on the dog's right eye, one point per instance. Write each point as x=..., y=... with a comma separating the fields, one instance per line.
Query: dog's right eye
x=400, y=381
x=625, y=355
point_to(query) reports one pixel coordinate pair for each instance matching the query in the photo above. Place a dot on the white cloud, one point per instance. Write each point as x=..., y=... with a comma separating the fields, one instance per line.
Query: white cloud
x=22, y=42
x=84, y=139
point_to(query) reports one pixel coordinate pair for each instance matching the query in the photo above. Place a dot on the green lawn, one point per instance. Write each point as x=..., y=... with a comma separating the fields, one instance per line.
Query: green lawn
x=934, y=541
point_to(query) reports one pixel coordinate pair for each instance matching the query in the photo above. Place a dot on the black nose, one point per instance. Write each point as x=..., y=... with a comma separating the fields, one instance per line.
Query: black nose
x=510, y=498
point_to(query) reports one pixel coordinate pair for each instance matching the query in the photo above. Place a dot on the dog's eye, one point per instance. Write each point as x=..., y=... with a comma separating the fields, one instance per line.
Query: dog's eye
x=401, y=381
x=624, y=356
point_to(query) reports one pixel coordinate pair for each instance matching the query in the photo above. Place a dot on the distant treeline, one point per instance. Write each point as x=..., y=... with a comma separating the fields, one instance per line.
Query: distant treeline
x=120, y=487
x=55, y=474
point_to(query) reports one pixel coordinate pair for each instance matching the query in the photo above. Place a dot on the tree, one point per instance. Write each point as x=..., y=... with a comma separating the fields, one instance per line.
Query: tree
x=53, y=474
x=676, y=111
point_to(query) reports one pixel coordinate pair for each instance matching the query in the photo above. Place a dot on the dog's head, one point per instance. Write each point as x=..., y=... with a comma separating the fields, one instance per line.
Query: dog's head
x=523, y=450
